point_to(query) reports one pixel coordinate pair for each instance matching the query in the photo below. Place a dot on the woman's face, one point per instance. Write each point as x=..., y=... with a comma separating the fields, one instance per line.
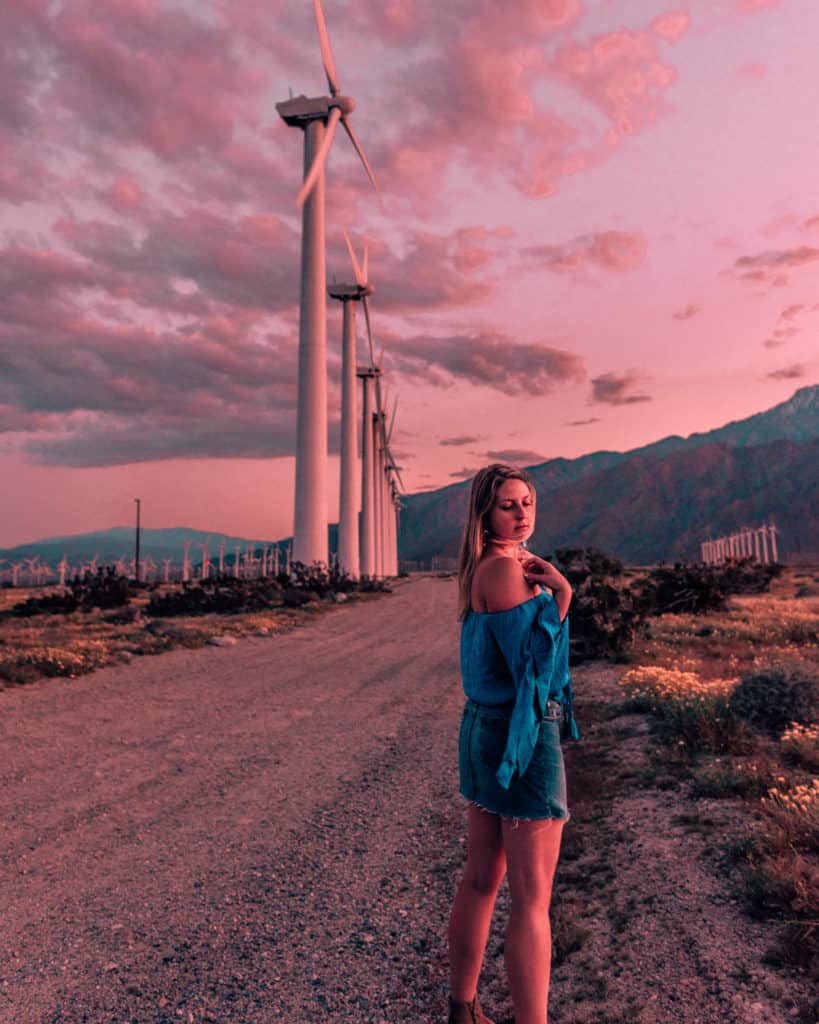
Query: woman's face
x=512, y=517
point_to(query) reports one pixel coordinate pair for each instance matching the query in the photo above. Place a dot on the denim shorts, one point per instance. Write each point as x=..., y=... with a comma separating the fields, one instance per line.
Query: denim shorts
x=539, y=793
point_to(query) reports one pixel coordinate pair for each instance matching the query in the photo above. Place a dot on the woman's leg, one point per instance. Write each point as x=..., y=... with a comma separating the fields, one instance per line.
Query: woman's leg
x=474, y=901
x=532, y=849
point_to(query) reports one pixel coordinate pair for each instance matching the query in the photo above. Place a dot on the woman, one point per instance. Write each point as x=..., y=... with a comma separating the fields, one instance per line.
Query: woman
x=514, y=664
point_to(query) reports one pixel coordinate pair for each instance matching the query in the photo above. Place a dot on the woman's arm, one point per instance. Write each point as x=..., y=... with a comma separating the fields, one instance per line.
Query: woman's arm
x=503, y=584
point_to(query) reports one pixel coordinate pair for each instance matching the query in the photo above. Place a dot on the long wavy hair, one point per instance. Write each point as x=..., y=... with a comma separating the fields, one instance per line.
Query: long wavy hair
x=476, y=530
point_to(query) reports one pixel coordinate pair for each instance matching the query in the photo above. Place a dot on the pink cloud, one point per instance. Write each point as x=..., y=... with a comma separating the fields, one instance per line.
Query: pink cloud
x=791, y=312
x=613, y=388
x=488, y=358
x=125, y=194
x=583, y=423
x=793, y=372
x=458, y=442
x=434, y=272
x=516, y=456
x=754, y=70
x=621, y=74
x=475, y=247
x=672, y=25
x=769, y=266
x=618, y=251
x=689, y=311
x=753, y=6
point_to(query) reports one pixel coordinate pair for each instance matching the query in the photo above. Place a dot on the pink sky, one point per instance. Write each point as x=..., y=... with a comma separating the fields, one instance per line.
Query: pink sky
x=598, y=229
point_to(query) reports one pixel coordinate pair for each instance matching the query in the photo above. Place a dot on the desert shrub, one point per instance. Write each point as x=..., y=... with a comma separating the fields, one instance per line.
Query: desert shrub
x=800, y=745
x=320, y=578
x=697, y=588
x=52, y=661
x=61, y=603
x=781, y=872
x=604, y=615
x=103, y=589
x=221, y=594
x=748, y=780
x=773, y=697
x=690, y=712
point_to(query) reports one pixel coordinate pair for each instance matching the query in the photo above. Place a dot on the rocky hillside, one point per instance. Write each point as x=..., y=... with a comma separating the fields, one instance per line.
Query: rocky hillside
x=658, y=502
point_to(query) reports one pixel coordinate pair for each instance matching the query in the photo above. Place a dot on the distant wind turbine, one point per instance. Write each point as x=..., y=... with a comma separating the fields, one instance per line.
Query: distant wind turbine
x=348, y=528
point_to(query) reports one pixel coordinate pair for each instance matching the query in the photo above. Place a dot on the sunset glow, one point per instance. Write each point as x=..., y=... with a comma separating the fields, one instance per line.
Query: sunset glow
x=597, y=229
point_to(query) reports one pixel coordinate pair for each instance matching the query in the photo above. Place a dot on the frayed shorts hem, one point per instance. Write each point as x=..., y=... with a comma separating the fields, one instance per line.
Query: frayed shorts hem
x=518, y=818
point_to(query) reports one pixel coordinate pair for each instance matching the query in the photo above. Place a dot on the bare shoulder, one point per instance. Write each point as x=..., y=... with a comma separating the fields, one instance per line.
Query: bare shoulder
x=499, y=585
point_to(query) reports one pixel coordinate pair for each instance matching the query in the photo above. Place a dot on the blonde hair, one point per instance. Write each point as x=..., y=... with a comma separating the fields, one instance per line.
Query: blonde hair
x=485, y=487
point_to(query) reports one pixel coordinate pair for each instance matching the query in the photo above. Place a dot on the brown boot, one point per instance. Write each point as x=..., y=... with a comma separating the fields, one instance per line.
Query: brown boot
x=467, y=1013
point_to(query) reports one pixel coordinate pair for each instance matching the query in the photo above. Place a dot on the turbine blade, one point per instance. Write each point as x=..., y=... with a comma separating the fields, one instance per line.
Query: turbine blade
x=364, y=267
x=369, y=330
x=326, y=51
x=392, y=421
x=348, y=127
x=320, y=157
x=359, y=280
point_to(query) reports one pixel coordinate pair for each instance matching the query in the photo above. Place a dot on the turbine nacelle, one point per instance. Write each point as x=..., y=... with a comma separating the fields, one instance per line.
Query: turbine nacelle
x=301, y=110
x=356, y=292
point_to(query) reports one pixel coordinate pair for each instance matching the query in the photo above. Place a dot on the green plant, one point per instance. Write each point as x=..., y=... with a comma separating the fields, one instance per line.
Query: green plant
x=773, y=697
x=604, y=616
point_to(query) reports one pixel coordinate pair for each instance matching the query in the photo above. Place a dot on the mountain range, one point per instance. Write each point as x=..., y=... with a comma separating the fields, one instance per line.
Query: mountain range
x=650, y=504
x=658, y=502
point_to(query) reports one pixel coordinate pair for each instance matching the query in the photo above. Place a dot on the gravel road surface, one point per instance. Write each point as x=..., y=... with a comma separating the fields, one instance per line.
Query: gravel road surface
x=271, y=834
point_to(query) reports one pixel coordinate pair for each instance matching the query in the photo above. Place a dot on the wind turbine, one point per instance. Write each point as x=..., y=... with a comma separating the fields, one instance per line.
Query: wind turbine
x=349, y=295
x=318, y=118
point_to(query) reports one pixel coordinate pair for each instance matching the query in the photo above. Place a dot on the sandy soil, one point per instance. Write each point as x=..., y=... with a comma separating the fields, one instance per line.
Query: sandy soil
x=272, y=833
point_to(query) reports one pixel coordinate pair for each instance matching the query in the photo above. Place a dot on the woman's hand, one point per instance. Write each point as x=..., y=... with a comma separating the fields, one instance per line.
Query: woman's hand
x=538, y=570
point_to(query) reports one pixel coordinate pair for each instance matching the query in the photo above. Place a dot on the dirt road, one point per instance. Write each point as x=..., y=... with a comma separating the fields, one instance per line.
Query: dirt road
x=272, y=833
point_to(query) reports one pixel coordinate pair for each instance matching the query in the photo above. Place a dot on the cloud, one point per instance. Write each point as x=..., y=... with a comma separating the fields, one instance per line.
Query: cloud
x=775, y=259
x=458, y=442
x=621, y=74
x=486, y=358
x=616, y=251
x=612, y=388
x=792, y=372
x=465, y=473
x=689, y=311
x=754, y=6
x=811, y=224
x=672, y=25
x=582, y=423
x=773, y=342
x=768, y=267
x=754, y=70
x=466, y=75
x=517, y=456
x=791, y=312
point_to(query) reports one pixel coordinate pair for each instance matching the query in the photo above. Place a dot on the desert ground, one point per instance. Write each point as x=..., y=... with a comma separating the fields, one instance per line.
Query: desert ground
x=272, y=832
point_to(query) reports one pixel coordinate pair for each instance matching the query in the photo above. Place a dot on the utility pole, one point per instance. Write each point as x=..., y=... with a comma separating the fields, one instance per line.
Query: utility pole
x=136, y=556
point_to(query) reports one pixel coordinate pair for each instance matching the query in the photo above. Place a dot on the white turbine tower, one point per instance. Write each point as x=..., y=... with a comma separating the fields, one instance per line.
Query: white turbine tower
x=348, y=529
x=204, y=572
x=318, y=118
x=186, y=561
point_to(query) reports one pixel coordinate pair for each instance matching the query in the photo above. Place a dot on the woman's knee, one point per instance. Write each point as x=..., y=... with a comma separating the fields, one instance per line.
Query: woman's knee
x=530, y=895
x=485, y=878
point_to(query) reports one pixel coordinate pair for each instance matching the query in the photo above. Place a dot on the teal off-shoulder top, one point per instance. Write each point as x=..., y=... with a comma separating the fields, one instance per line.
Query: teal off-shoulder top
x=520, y=655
